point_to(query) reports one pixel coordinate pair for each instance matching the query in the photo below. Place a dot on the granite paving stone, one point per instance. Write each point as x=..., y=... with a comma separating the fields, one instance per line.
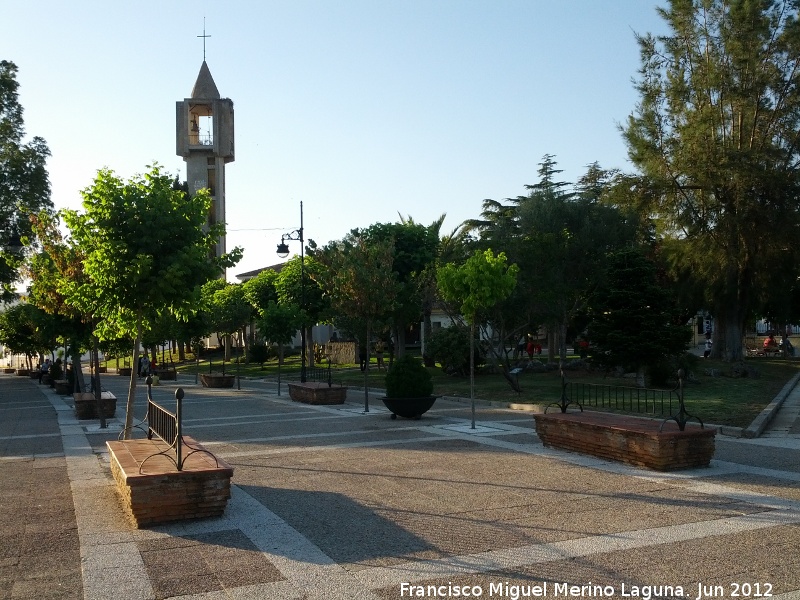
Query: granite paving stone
x=330, y=503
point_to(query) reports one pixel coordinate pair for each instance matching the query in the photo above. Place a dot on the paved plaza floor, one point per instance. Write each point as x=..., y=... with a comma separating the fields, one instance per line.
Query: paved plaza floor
x=330, y=502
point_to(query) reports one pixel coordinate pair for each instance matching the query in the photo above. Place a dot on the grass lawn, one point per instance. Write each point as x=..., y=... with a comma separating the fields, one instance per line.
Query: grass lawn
x=719, y=400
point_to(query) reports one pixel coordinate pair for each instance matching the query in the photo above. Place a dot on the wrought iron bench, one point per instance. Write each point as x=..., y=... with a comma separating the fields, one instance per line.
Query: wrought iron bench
x=166, y=426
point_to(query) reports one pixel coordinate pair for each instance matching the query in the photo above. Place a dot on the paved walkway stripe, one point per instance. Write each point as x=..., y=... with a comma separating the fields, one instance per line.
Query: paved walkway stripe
x=111, y=559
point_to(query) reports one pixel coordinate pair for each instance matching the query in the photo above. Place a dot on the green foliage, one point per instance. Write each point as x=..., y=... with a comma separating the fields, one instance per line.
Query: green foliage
x=665, y=372
x=310, y=296
x=259, y=353
x=26, y=329
x=449, y=347
x=228, y=308
x=358, y=277
x=633, y=318
x=24, y=184
x=261, y=290
x=56, y=371
x=146, y=248
x=715, y=138
x=408, y=378
x=280, y=322
x=482, y=281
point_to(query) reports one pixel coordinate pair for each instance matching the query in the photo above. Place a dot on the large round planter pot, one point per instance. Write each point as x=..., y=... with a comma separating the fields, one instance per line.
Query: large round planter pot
x=410, y=408
x=217, y=380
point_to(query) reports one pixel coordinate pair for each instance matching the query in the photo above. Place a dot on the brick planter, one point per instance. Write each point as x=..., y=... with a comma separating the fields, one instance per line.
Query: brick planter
x=632, y=440
x=313, y=392
x=86, y=405
x=61, y=386
x=161, y=493
x=23, y=373
x=125, y=371
x=167, y=374
x=217, y=380
x=9, y=370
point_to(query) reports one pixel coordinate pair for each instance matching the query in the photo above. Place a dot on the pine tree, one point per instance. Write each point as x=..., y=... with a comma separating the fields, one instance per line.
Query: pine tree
x=715, y=136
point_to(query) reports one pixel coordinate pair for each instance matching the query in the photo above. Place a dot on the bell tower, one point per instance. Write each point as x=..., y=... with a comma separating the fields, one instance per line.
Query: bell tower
x=204, y=136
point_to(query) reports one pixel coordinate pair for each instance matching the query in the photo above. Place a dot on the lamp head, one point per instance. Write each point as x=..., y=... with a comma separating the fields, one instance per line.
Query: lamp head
x=283, y=249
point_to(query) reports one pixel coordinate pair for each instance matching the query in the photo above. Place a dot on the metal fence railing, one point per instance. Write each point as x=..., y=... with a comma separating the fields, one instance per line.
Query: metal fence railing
x=617, y=397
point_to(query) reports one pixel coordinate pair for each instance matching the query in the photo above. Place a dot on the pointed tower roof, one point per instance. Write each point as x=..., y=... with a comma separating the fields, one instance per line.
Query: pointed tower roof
x=205, y=88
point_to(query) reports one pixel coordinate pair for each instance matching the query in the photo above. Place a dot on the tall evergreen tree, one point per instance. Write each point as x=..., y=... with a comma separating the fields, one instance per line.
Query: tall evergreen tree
x=24, y=184
x=716, y=137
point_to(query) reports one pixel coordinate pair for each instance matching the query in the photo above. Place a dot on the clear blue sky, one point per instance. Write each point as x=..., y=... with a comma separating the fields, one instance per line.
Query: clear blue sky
x=362, y=109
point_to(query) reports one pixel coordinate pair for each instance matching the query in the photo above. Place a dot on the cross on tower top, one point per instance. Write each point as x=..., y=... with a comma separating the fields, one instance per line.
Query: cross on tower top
x=204, y=36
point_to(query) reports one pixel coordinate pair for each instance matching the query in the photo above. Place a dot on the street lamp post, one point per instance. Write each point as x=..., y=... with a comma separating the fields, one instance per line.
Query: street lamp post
x=283, y=252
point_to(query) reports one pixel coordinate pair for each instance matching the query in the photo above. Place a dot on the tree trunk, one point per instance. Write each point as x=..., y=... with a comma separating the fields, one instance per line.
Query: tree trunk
x=400, y=341
x=472, y=367
x=226, y=343
x=641, y=382
x=427, y=332
x=77, y=372
x=126, y=433
x=551, y=344
x=366, y=371
x=728, y=335
x=98, y=391
x=309, y=346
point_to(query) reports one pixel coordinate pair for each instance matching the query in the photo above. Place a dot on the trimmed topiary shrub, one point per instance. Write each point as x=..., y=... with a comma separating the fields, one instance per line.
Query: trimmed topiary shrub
x=408, y=378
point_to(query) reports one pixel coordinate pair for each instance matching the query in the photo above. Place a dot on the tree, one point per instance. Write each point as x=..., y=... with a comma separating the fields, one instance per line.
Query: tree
x=259, y=292
x=448, y=248
x=27, y=330
x=229, y=311
x=415, y=250
x=278, y=324
x=309, y=297
x=148, y=250
x=51, y=271
x=482, y=281
x=359, y=280
x=715, y=136
x=566, y=243
x=635, y=323
x=24, y=184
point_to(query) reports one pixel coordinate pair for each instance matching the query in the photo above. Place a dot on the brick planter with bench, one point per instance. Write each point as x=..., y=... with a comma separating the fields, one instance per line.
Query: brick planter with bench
x=632, y=440
x=86, y=405
x=167, y=374
x=217, y=380
x=61, y=387
x=315, y=392
x=168, y=476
